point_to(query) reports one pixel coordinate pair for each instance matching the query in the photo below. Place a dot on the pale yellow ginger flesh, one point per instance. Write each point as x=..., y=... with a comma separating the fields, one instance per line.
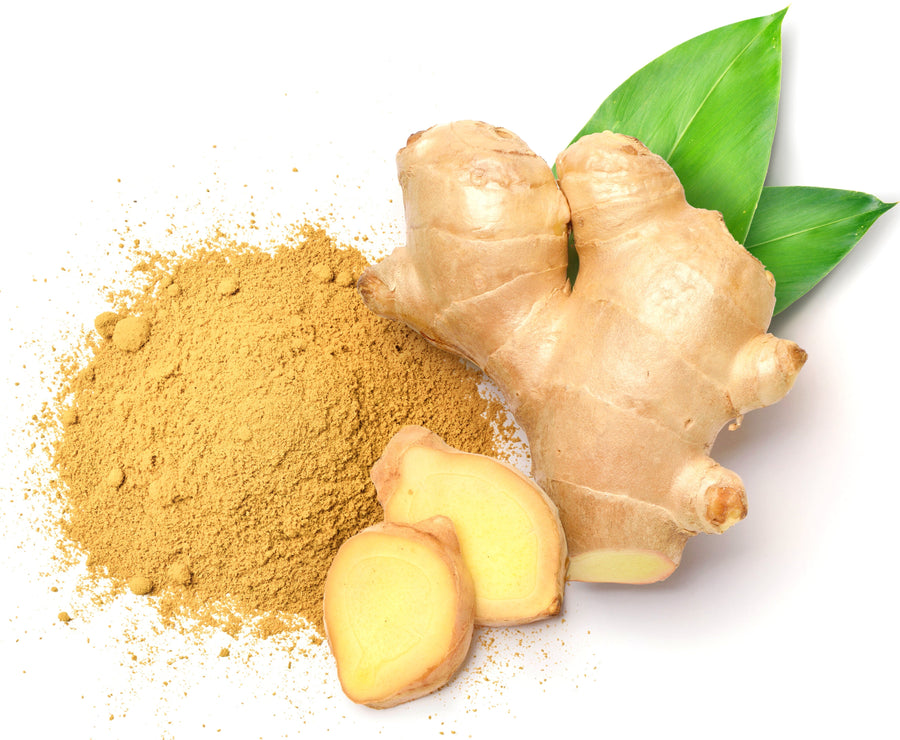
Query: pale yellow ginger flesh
x=622, y=382
x=621, y=566
x=509, y=531
x=399, y=611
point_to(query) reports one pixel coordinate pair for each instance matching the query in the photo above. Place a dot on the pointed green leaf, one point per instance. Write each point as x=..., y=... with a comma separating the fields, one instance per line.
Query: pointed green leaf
x=801, y=233
x=708, y=107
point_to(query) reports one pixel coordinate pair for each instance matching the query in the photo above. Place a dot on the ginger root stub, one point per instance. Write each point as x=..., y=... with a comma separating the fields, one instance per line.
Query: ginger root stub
x=399, y=611
x=621, y=382
x=509, y=531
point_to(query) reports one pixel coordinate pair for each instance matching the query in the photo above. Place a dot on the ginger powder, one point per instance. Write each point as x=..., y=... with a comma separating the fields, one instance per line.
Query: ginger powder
x=217, y=447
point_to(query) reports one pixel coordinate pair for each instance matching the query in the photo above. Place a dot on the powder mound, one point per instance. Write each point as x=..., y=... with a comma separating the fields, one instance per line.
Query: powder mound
x=140, y=585
x=131, y=333
x=105, y=323
x=228, y=459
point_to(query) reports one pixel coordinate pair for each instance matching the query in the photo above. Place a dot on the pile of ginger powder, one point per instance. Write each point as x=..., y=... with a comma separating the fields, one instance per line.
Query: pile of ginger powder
x=216, y=447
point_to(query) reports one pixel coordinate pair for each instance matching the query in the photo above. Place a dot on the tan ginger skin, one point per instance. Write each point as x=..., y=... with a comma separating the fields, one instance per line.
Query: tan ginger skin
x=622, y=382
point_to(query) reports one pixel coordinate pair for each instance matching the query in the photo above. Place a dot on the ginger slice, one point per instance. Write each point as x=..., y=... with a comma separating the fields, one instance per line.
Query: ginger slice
x=398, y=609
x=509, y=531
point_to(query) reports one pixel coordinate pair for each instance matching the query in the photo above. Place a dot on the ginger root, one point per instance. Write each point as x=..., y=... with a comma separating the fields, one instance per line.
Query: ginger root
x=509, y=531
x=399, y=611
x=622, y=381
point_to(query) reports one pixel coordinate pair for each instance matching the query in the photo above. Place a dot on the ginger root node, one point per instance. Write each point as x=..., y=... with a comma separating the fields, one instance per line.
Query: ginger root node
x=725, y=506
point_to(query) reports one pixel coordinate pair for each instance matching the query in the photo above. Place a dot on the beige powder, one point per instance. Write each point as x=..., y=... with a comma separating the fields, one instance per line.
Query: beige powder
x=217, y=446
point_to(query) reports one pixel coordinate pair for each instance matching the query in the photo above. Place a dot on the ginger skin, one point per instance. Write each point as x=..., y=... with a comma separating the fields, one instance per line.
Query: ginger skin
x=509, y=531
x=622, y=382
x=399, y=611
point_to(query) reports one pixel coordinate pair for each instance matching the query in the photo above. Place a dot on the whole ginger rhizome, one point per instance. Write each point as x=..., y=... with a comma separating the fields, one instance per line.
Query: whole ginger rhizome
x=622, y=381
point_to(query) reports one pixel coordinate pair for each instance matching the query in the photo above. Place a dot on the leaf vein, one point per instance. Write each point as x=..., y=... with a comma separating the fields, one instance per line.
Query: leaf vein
x=712, y=89
x=816, y=227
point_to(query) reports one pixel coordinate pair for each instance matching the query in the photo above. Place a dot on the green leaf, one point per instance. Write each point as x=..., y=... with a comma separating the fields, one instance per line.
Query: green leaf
x=801, y=233
x=708, y=107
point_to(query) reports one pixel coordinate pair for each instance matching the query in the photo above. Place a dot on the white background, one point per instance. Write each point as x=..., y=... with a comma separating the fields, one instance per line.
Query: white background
x=153, y=114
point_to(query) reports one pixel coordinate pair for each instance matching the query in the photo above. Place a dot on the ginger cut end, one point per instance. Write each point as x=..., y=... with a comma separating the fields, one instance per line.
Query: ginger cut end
x=399, y=611
x=509, y=530
x=621, y=566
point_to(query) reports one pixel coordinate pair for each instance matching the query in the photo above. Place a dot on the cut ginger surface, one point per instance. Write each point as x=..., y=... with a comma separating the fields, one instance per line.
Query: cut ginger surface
x=509, y=531
x=399, y=611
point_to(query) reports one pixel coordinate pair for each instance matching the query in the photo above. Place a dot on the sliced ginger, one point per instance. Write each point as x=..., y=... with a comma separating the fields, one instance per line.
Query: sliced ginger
x=399, y=608
x=509, y=532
